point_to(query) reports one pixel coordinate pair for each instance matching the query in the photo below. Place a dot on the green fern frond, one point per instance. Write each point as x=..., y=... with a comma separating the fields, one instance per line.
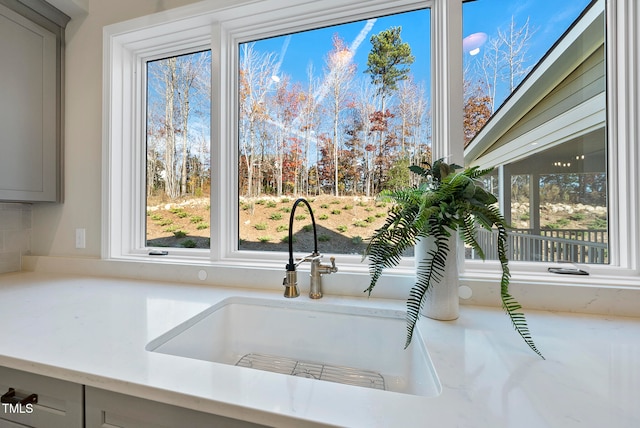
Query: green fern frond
x=428, y=271
x=469, y=235
x=509, y=304
x=519, y=321
x=485, y=216
x=390, y=241
x=445, y=201
x=475, y=172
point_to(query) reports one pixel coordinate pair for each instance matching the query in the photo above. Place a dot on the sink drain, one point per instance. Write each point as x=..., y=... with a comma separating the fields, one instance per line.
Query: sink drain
x=327, y=372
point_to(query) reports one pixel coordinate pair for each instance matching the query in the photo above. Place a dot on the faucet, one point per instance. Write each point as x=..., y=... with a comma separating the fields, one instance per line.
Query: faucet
x=290, y=281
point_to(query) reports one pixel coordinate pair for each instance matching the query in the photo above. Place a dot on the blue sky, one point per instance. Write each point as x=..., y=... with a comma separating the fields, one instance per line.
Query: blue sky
x=549, y=18
x=301, y=49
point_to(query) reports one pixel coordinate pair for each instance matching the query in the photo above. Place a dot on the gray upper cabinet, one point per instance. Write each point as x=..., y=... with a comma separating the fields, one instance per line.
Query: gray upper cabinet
x=31, y=68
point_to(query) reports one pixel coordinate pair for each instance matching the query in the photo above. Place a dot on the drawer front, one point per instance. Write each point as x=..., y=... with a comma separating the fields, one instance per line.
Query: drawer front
x=107, y=409
x=9, y=424
x=60, y=403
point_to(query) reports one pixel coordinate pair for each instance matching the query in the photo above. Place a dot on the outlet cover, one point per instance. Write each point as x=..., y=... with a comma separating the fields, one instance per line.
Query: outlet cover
x=81, y=238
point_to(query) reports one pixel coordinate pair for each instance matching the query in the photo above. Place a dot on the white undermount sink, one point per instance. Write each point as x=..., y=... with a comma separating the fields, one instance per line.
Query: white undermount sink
x=352, y=345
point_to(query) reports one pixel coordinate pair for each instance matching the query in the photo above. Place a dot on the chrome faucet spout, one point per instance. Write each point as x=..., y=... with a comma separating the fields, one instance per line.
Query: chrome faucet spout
x=290, y=281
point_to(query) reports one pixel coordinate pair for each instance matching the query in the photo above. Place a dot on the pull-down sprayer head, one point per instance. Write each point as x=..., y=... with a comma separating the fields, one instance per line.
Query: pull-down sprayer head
x=291, y=279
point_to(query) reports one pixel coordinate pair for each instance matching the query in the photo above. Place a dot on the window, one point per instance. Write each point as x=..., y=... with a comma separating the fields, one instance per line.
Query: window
x=535, y=91
x=178, y=117
x=335, y=115
x=130, y=46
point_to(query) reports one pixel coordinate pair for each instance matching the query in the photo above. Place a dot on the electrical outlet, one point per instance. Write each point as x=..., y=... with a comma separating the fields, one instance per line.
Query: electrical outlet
x=81, y=238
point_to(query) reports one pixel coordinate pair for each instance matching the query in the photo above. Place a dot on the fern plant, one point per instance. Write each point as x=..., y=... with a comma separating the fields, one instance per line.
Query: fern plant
x=445, y=202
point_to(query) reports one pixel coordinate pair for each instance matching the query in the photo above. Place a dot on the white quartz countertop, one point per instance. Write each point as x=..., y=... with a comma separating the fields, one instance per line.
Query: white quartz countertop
x=93, y=331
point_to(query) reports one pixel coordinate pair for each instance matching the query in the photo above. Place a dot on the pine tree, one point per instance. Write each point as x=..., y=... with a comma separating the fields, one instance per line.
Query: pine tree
x=389, y=60
x=387, y=64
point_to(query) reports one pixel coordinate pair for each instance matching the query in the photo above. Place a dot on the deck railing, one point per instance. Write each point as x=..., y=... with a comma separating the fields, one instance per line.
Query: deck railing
x=554, y=245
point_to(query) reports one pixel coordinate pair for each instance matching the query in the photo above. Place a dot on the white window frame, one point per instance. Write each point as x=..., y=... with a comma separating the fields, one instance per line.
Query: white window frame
x=621, y=41
x=127, y=48
x=275, y=23
x=128, y=45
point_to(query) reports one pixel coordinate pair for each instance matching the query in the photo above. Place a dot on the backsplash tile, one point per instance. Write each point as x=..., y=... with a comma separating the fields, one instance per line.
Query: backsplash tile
x=15, y=235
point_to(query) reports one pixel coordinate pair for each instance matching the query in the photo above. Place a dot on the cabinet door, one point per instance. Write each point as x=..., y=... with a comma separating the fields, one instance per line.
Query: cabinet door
x=28, y=110
x=9, y=424
x=109, y=409
x=60, y=403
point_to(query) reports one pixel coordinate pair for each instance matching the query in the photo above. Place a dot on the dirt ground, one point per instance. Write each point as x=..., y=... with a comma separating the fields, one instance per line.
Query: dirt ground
x=343, y=223
x=183, y=223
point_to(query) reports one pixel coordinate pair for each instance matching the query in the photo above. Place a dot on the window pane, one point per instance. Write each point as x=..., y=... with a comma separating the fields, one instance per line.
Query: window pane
x=535, y=107
x=334, y=115
x=178, y=173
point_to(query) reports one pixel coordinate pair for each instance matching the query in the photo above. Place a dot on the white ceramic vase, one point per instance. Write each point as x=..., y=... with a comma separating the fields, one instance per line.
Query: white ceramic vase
x=441, y=301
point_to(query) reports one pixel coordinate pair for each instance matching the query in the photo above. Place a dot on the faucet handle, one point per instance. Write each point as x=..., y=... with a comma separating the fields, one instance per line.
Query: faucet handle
x=333, y=264
x=310, y=258
x=324, y=269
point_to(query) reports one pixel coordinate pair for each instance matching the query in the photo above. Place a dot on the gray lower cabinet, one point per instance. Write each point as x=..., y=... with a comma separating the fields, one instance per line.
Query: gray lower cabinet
x=59, y=403
x=106, y=409
x=63, y=404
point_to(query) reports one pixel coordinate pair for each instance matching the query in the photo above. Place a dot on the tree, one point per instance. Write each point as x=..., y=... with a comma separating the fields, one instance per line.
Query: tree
x=285, y=107
x=516, y=43
x=308, y=124
x=477, y=109
x=179, y=94
x=326, y=135
x=170, y=85
x=399, y=175
x=412, y=112
x=503, y=61
x=154, y=169
x=382, y=160
x=325, y=162
x=256, y=79
x=491, y=78
x=340, y=70
x=388, y=63
x=491, y=68
x=190, y=71
x=365, y=108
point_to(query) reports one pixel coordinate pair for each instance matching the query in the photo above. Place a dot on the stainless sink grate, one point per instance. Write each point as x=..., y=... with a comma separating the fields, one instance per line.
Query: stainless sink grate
x=339, y=374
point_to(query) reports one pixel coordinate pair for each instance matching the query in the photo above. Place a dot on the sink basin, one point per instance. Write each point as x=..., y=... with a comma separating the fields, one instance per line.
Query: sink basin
x=359, y=346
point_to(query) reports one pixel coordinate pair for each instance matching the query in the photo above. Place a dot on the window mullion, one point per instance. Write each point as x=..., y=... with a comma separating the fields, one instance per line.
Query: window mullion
x=217, y=137
x=446, y=78
x=623, y=134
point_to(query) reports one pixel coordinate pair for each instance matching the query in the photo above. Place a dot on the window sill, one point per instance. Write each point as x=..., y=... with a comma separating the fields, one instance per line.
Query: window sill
x=595, y=294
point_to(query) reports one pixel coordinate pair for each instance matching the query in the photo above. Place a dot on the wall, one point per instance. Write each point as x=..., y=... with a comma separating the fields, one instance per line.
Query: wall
x=54, y=225
x=15, y=234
